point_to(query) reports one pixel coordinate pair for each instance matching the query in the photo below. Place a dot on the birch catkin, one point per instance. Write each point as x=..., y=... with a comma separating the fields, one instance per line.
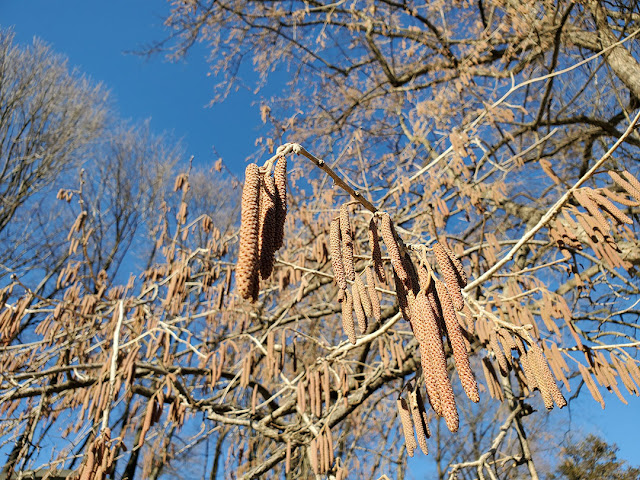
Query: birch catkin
x=407, y=426
x=280, y=178
x=336, y=254
x=248, y=262
x=347, y=243
x=467, y=379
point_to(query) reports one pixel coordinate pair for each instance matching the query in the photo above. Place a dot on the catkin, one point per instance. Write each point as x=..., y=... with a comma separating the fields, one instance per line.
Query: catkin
x=364, y=296
x=336, y=255
x=268, y=226
x=451, y=278
x=357, y=307
x=407, y=426
x=500, y=358
x=389, y=237
x=280, y=178
x=347, y=243
x=419, y=420
x=631, y=190
x=248, y=262
x=458, y=346
x=429, y=379
x=457, y=264
x=347, y=317
x=403, y=299
x=584, y=200
x=613, y=211
x=373, y=294
x=376, y=254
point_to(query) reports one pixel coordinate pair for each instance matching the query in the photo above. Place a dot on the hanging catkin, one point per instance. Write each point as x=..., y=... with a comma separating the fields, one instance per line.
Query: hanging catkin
x=347, y=317
x=357, y=307
x=419, y=420
x=389, y=237
x=631, y=190
x=247, y=267
x=268, y=226
x=457, y=264
x=613, y=211
x=376, y=254
x=429, y=379
x=280, y=178
x=450, y=275
x=467, y=379
x=373, y=294
x=336, y=254
x=544, y=376
x=347, y=243
x=584, y=200
x=364, y=296
x=407, y=425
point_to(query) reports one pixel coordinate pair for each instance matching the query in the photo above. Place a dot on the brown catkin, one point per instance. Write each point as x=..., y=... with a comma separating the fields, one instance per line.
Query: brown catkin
x=458, y=346
x=613, y=211
x=248, y=261
x=634, y=371
x=389, y=237
x=347, y=317
x=403, y=299
x=364, y=296
x=336, y=255
x=280, y=178
x=376, y=253
x=457, y=264
x=268, y=226
x=593, y=388
x=312, y=450
x=287, y=462
x=544, y=377
x=495, y=348
x=429, y=379
x=419, y=421
x=347, y=243
x=357, y=307
x=631, y=190
x=632, y=180
x=407, y=426
x=584, y=200
x=326, y=387
x=451, y=278
x=373, y=294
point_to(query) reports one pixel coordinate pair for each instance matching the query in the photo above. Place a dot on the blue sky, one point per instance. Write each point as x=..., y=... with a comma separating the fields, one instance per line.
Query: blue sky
x=95, y=35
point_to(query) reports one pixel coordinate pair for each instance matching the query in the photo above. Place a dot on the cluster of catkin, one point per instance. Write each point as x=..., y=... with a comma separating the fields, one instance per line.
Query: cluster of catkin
x=99, y=459
x=320, y=452
x=361, y=299
x=264, y=211
x=413, y=416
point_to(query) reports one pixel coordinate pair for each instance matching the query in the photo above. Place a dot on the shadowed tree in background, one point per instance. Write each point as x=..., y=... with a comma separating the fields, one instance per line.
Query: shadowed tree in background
x=505, y=131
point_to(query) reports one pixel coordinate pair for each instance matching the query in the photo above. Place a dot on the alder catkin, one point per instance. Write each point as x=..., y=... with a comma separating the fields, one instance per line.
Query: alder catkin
x=280, y=178
x=457, y=264
x=419, y=421
x=451, y=278
x=268, y=226
x=373, y=294
x=376, y=254
x=364, y=296
x=500, y=358
x=631, y=189
x=248, y=262
x=584, y=200
x=458, y=346
x=613, y=211
x=336, y=254
x=357, y=307
x=347, y=317
x=547, y=377
x=389, y=237
x=347, y=243
x=407, y=425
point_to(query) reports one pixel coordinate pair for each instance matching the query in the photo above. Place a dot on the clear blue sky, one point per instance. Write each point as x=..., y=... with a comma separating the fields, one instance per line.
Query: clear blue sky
x=94, y=35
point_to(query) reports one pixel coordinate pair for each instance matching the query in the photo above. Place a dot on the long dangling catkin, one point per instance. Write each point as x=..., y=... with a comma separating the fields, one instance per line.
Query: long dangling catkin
x=326, y=386
x=373, y=294
x=280, y=178
x=630, y=189
x=364, y=296
x=500, y=358
x=357, y=307
x=389, y=237
x=584, y=200
x=613, y=211
x=451, y=278
x=403, y=300
x=467, y=378
x=433, y=395
x=457, y=264
x=376, y=253
x=248, y=262
x=407, y=425
x=419, y=421
x=347, y=243
x=593, y=388
x=537, y=370
x=547, y=377
x=312, y=451
x=268, y=226
x=347, y=317
x=287, y=461
x=336, y=254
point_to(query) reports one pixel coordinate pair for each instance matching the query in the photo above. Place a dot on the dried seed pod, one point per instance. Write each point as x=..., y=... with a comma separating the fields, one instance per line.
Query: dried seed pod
x=364, y=296
x=407, y=425
x=389, y=237
x=268, y=226
x=419, y=420
x=247, y=267
x=336, y=255
x=373, y=295
x=280, y=177
x=376, y=254
x=347, y=317
x=451, y=277
x=458, y=346
x=347, y=243
x=357, y=307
